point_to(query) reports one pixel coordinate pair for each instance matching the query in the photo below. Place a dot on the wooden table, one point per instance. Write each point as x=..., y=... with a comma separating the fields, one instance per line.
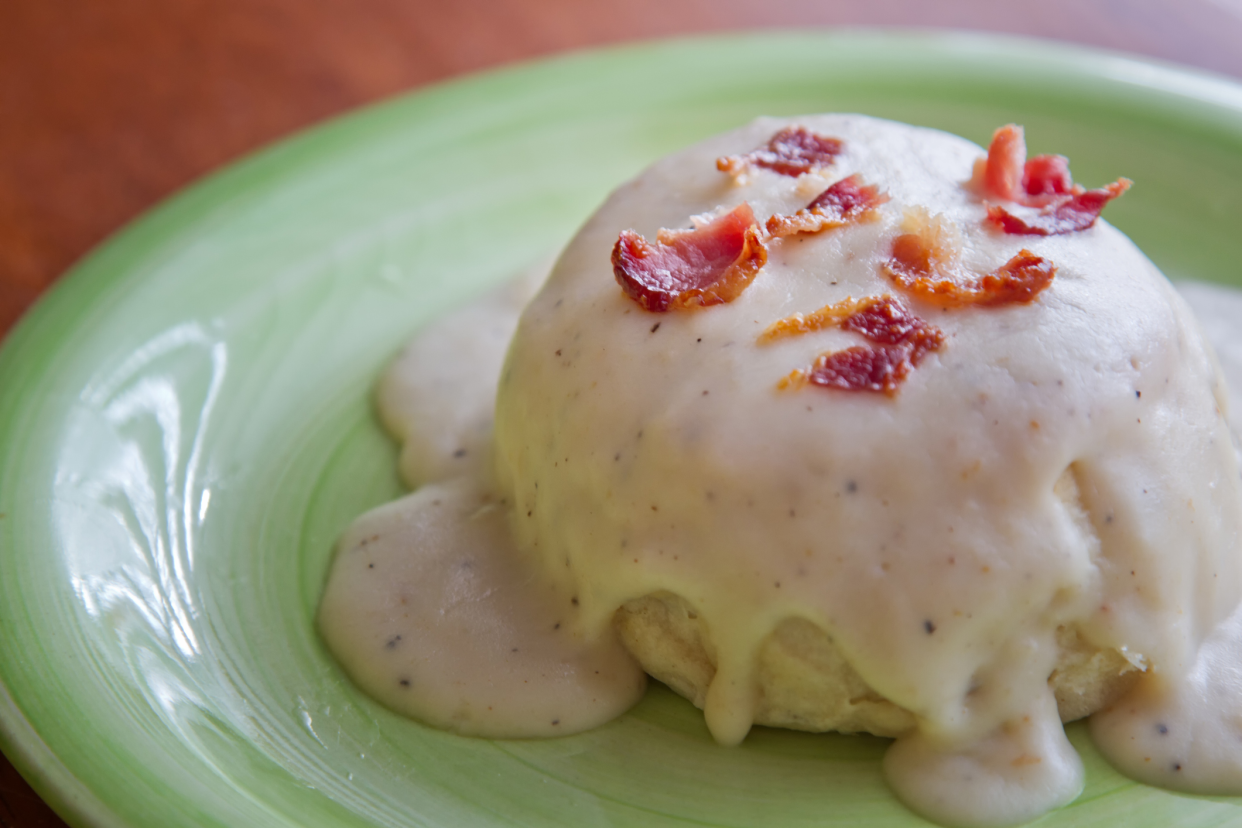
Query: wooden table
x=107, y=107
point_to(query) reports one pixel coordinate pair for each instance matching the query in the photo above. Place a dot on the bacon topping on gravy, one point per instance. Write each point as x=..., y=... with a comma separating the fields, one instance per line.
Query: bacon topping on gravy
x=898, y=341
x=792, y=151
x=924, y=263
x=1072, y=213
x=828, y=316
x=1050, y=203
x=708, y=265
x=848, y=201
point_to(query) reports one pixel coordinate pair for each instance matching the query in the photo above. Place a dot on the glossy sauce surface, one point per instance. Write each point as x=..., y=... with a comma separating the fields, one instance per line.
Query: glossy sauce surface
x=429, y=606
x=621, y=477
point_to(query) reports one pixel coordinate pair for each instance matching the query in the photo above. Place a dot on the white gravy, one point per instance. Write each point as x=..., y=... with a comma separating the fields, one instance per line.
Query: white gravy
x=460, y=605
x=469, y=619
x=430, y=607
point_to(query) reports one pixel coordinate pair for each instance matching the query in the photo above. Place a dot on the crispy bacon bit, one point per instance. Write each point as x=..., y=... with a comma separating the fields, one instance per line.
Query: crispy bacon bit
x=861, y=368
x=708, y=265
x=1043, y=184
x=1065, y=215
x=931, y=245
x=792, y=151
x=925, y=264
x=1047, y=175
x=826, y=317
x=899, y=341
x=1016, y=282
x=1003, y=170
x=848, y=201
x=885, y=321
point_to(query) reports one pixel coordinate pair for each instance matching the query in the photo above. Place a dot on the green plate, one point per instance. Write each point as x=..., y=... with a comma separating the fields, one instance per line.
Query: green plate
x=185, y=427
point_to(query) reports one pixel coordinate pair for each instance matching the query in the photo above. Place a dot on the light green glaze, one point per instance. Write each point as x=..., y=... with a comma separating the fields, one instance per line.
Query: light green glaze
x=158, y=658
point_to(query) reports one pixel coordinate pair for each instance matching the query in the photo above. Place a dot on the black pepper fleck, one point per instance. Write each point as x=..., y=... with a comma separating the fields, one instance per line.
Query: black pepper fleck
x=1162, y=729
x=929, y=626
x=655, y=327
x=851, y=487
x=460, y=453
x=404, y=682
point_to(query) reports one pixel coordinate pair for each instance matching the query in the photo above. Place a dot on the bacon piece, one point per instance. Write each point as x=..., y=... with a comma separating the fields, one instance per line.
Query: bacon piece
x=792, y=151
x=1002, y=176
x=1044, y=182
x=930, y=246
x=826, y=317
x=1018, y=281
x=848, y=201
x=1065, y=215
x=860, y=368
x=1006, y=173
x=708, y=265
x=1047, y=175
x=899, y=341
x=925, y=263
x=886, y=321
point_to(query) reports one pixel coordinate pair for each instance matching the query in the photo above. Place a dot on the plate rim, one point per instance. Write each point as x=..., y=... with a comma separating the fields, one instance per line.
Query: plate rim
x=1209, y=94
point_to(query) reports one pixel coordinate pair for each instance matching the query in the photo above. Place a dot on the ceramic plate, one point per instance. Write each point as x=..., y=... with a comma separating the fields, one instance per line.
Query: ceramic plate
x=185, y=427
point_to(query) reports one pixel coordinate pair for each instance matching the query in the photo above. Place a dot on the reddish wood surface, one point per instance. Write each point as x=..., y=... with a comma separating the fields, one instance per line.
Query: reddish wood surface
x=108, y=106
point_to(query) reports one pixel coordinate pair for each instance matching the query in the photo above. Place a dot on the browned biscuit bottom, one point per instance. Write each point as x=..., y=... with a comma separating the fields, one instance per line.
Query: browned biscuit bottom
x=806, y=684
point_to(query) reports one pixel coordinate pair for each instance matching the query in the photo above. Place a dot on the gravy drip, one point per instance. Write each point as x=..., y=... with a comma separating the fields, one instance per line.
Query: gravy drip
x=429, y=606
x=430, y=590
x=499, y=593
